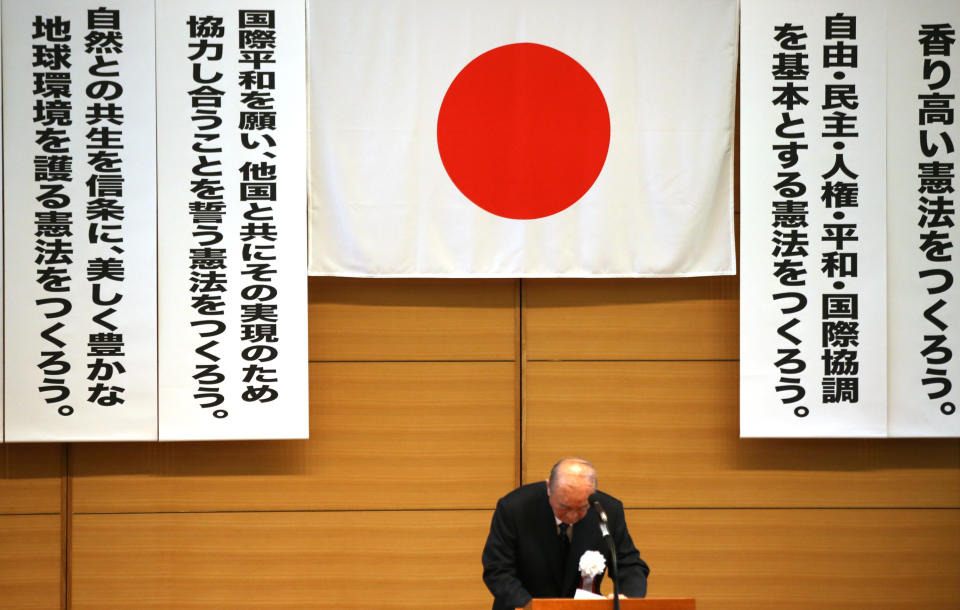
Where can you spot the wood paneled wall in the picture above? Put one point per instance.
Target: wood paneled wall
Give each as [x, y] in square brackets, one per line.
[429, 400]
[32, 526]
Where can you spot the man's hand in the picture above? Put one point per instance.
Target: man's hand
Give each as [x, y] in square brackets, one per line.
[622, 596]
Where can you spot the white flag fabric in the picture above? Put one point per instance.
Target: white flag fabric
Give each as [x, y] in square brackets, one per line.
[542, 138]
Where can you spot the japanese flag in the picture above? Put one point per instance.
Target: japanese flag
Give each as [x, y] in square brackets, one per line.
[534, 138]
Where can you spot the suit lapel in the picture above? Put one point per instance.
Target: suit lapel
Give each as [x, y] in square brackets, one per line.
[547, 533]
[584, 539]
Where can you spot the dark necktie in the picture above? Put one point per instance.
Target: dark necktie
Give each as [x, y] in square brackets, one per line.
[564, 541]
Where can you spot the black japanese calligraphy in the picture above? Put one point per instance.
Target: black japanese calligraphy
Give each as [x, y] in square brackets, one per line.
[935, 178]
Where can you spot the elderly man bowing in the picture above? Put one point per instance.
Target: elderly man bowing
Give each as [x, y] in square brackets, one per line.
[540, 531]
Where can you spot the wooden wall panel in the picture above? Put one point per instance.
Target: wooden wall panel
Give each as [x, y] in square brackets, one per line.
[628, 319]
[383, 435]
[803, 559]
[336, 560]
[665, 434]
[412, 319]
[30, 562]
[30, 478]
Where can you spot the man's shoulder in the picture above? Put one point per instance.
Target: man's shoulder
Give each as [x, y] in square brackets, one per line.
[525, 493]
[609, 502]
[525, 504]
[605, 496]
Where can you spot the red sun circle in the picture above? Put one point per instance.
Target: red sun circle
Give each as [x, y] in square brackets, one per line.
[523, 131]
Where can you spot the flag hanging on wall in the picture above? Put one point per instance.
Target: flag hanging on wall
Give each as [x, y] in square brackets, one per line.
[534, 139]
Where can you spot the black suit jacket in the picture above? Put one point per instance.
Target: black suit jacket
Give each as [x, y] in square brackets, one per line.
[521, 556]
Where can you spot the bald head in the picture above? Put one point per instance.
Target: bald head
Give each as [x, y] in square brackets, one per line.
[571, 482]
[573, 471]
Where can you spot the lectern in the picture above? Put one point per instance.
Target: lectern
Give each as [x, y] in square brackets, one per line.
[666, 603]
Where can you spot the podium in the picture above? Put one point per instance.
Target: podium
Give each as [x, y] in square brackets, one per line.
[666, 603]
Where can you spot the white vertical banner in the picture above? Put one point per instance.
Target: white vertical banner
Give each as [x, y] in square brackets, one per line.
[813, 271]
[1, 239]
[232, 167]
[923, 156]
[79, 230]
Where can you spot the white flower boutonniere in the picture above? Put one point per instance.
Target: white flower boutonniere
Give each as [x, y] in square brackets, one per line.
[592, 565]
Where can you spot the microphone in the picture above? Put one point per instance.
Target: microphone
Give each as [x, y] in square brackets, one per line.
[594, 501]
[603, 518]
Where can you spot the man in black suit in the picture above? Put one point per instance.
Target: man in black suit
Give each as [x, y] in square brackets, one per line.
[540, 530]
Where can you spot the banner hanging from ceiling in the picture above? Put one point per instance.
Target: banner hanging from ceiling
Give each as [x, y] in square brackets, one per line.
[86, 244]
[846, 215]
[923, 358]
[79, 221]
[232, 162]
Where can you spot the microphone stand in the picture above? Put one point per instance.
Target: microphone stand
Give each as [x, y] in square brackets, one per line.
[616, 578]
[613, 553]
